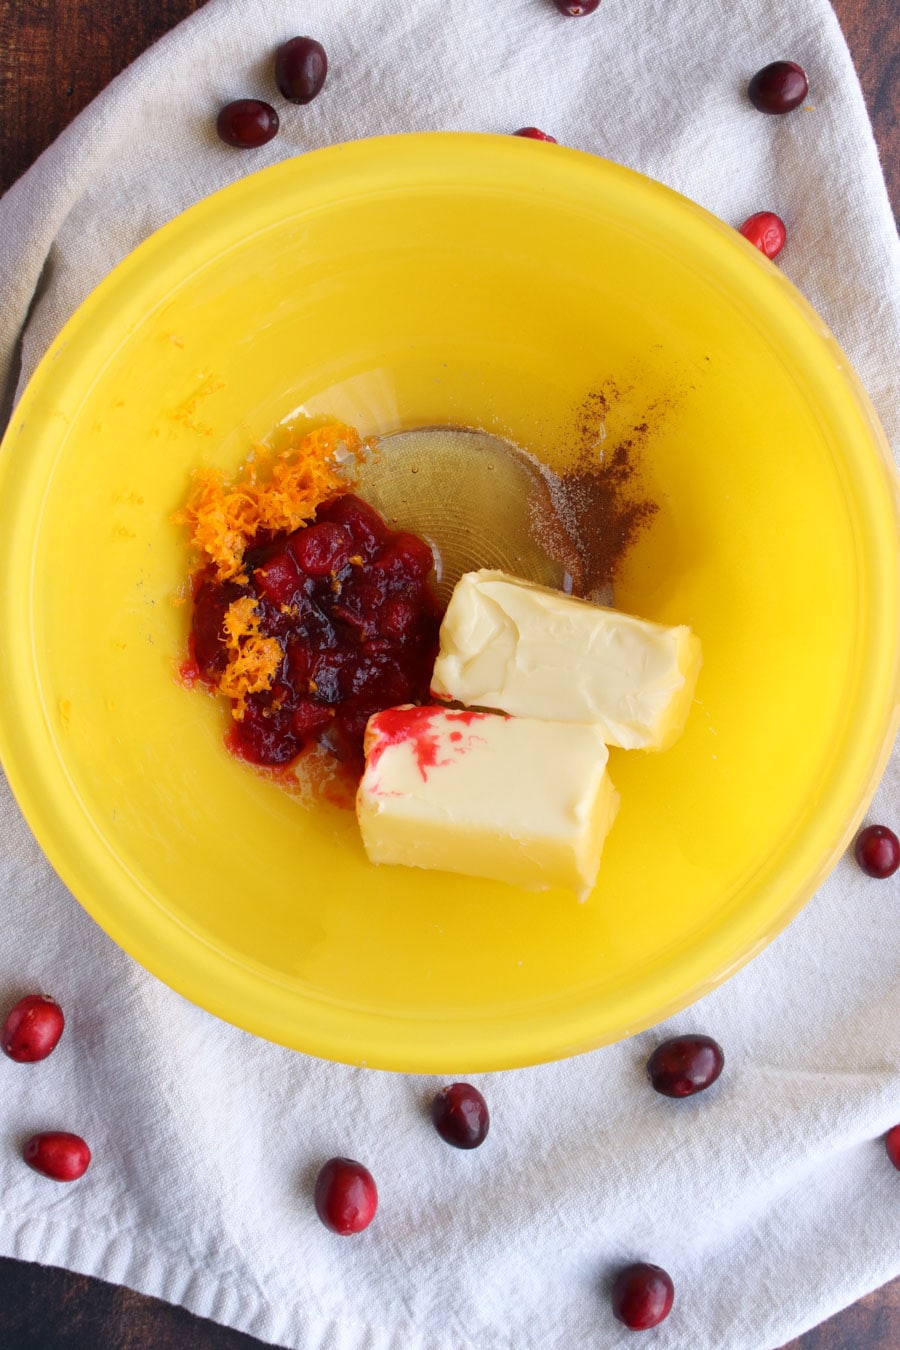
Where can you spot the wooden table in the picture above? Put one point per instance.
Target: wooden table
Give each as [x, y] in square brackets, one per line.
[55, 55]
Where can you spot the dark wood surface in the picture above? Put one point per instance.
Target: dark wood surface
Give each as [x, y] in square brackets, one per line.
[55, 55]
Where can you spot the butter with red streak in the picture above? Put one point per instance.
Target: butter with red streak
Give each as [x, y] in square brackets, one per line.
[514, 799]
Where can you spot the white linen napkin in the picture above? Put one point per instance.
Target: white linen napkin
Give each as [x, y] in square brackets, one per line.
[769, 1199]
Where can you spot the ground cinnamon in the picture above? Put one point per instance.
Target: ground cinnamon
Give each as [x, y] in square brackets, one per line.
[589, 515]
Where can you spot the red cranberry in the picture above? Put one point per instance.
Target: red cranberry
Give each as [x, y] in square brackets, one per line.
[309, 717]
[264, 736]
[642, 1296]
[575, 9]
[33, 1028]
[460, 1115]
[362, 521]
[410, 555]
[766, 231]
[346, 1196]
[207, 628]
[300, 69]
[398, 618]
[247, 123]
[778, 88]
[877, 851]
[892, 1144]
[322, 549]
[684, 1065]
[534, 134]
[278, 578]
[58, 1155]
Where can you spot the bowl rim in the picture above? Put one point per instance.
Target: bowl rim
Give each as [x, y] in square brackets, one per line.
[205, 975]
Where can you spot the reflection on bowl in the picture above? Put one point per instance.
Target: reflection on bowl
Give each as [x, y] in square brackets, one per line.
[450, 281]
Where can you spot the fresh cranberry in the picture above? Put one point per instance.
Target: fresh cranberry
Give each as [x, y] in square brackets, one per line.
[892, 1144]
[576, 9]
[642, 1296]
[534, 134]
[460, 1115]
[57, 1154]
[779, 87]
[766, 231]
[300, 69]
[345, 1196]
[877, 851]
[322, 549]
[684, 1065]
[33, 1028]
[247, 123]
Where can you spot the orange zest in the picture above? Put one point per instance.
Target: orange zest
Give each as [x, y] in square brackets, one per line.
[273, 492]
[253, 660]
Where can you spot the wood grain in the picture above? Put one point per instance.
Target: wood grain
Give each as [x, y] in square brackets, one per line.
[43, 1308]
[55, 55]
[872, 30]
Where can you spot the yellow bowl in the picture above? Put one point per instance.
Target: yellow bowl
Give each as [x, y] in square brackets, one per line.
[465, 280]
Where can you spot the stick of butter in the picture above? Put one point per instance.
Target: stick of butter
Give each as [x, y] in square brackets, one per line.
[514, 799]
[534, 652]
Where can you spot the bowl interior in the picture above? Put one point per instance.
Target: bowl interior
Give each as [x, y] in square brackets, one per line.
[474, 281]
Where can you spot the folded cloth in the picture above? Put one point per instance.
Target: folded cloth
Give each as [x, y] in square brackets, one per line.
[770, 1199]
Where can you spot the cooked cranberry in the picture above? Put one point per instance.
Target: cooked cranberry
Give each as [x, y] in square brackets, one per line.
[57, 1154]
[877, 851]
[380, 682]
[278, 578]
[207, 631]
[345, 1196]
[247, 123]
[398, 618]
[32, 1028]
[264, 736]
[345, 737]
[534, 134]
[574, 9]
[323, 671]
[779, 87]
[642, 1296]
[299, 659]
[308, 717]
[322, 549]
[460, 1115]
[363, 523]
[892, 1144]
[766, 231]
[300, 69]
[349, 602]
[409, 556]
[684, 1065]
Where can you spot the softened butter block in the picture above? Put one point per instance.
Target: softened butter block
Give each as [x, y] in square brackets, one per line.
[515, 799]
[534, 652]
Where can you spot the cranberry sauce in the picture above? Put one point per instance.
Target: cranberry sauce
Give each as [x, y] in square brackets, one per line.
[350, 603]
